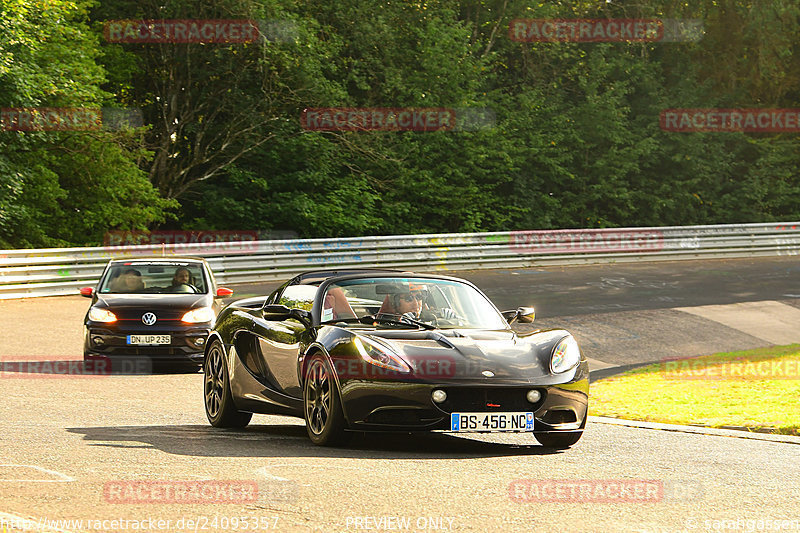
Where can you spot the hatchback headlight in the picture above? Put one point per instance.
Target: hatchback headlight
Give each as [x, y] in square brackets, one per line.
[201, 314]
[566, 355]
[98, 314]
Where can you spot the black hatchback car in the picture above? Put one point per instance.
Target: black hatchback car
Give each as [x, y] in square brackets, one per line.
[153, 309]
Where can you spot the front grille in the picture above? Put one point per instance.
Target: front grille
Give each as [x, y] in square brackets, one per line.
[161, 314]
[151, 351]
[488, 399]
[559, 416]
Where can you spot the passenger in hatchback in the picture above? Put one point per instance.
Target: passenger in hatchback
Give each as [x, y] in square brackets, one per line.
[129, 281]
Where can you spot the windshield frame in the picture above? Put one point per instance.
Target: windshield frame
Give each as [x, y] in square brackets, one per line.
[405, 276]
[167, 264]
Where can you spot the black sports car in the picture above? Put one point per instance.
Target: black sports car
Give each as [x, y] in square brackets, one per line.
[392, 351]
[151, 309]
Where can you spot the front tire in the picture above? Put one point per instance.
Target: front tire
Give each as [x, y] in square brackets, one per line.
[220, 409]
[322, 406]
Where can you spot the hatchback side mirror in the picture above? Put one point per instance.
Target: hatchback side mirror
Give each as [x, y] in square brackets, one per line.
[224, 292]
[87, 292]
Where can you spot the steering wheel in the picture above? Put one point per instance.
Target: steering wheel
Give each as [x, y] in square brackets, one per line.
[185, 287]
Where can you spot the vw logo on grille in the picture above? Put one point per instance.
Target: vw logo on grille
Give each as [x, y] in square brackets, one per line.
[149, 319]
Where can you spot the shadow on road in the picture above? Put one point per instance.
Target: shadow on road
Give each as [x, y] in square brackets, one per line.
[291, 441]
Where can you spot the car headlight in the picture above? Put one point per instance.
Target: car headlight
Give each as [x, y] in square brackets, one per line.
[201, 314]
[379, 356]
[98, 314]
[566, 355]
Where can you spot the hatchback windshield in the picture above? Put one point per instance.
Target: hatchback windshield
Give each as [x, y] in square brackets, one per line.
[399, 302]
[151, 277]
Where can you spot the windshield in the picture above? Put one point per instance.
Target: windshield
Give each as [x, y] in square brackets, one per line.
[409, 302]
[158, 278]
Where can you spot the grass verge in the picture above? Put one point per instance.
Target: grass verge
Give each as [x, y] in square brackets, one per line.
[755, 389]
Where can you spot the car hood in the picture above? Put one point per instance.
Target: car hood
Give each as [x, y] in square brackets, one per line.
[153, 301]
[494, 356]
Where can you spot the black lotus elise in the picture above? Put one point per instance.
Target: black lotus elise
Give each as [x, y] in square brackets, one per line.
[372, 350]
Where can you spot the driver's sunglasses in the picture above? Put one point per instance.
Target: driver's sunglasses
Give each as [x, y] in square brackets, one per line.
[411, 297]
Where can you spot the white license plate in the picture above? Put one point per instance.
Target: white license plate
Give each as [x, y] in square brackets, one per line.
[149, 339]
[491, 422]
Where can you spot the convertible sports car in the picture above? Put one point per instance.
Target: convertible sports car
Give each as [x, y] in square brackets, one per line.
[152, 309]
[369, 350]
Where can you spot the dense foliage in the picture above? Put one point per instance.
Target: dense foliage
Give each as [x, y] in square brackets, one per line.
[575, 142]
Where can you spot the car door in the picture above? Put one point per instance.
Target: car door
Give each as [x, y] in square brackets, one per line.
[281, 342]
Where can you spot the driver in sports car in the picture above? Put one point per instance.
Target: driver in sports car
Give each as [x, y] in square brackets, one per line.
[411, 304]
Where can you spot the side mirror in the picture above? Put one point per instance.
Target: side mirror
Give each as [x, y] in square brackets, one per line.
[526, 315]
[276, 312]
[523, 315]
[224, 292]
[281, 312]
[87, 292]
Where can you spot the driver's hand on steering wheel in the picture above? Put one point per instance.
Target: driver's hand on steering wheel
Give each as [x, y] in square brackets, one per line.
[448, 313]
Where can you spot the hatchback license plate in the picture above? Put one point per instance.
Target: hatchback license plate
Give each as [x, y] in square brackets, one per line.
[149, 339]
[491, 422]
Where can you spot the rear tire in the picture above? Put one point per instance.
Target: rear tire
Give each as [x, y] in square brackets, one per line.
[322, 407]
[220, 409]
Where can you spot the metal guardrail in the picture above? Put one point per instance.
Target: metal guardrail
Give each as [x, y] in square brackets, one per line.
[58, 271]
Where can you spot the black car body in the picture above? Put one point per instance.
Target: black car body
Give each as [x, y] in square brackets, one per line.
[151, 309]
[330, 348]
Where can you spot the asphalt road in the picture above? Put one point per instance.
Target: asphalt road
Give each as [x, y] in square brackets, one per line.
[137, 449]
[82, 448]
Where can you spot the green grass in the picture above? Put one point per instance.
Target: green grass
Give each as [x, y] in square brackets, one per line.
[756, 389]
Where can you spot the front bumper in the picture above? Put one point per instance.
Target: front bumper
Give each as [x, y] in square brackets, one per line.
[404, 406]
[187, 344]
